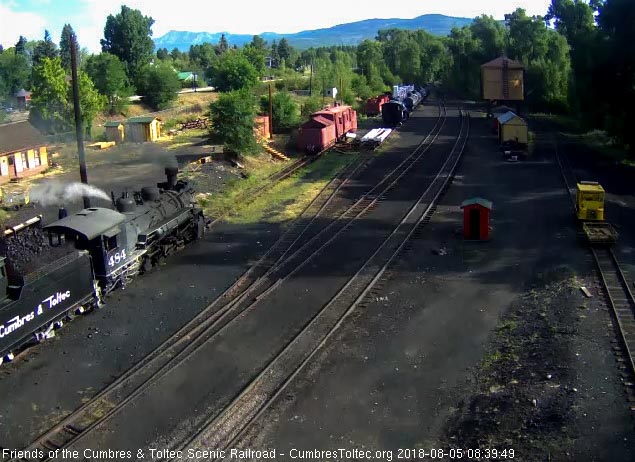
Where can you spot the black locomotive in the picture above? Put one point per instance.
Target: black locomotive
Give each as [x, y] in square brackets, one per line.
[404, 100]
[107, 248]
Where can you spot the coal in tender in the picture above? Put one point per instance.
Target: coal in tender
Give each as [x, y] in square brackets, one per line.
[29, 249]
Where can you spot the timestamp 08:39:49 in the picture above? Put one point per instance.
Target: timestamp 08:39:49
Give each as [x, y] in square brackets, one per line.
[455, 453]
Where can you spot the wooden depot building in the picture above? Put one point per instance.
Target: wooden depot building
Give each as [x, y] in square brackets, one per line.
[22, 151]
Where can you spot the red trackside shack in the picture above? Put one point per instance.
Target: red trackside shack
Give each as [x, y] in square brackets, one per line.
[476, 218]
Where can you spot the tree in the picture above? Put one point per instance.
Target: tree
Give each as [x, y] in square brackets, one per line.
[575, 20]
[369, 55]
[258, 42]
[14, 73]
[284, 49]
[284, 110]
[527, 36]
[52, 97]
[91, 102]
[158, 84]
[49, 95]
[615, 74]
[127, 35]
[162, 54]
[20, 47]
[232, 116]
[256, 56]
[222, 46]
[65, 45]
[275, 57]
[233, 71]
[109, 76]
[545, 54]
[44, 49]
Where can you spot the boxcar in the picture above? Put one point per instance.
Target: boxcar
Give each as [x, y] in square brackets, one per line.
[316, 135]
[374, 104]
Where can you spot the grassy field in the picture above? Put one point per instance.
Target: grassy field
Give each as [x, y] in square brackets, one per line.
[282, 203]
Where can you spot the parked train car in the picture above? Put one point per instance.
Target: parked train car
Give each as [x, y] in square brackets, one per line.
[109, 247]
[326, 127]
[412, 100]
[393, 113]
[374, 104]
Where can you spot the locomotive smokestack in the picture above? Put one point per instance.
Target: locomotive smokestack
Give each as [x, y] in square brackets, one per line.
[170, 173]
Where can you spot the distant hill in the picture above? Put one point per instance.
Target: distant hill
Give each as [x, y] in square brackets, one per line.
[342, 34]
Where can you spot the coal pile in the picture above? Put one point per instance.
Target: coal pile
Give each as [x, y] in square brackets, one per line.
[29, 249]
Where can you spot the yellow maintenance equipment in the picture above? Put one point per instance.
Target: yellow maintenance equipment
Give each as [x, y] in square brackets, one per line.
[589, 208]
[13, 197]
[589, 204]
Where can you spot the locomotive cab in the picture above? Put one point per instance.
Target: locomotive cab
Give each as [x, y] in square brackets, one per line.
[589, 201]
[99, 231]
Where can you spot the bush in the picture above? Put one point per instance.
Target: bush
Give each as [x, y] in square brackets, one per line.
[311, 105]
[158, 84]
[285, 111]
[232, 118]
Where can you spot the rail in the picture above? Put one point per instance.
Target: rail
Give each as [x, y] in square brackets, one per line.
[224, 430]
[616, 288]
[217, 315]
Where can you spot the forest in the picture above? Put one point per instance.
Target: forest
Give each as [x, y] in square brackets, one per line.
[579, 61]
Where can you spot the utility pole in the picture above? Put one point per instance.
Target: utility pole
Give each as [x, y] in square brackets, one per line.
[341, 92]
[311, 81]
[79, 132]
[270, 112]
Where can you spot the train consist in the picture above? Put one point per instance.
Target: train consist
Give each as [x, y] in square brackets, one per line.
[104, 249]
[404, 100]
[326, 127]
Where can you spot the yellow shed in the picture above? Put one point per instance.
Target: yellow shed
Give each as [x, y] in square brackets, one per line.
[512, 128]
[142, 129]
[115, 131]
[503, 80]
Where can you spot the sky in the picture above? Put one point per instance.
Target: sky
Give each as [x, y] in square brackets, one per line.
[88, 17]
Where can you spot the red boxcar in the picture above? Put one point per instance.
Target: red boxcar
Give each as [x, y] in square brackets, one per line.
[326, 127]
[374, 104]
[344, 117]
[316, 135]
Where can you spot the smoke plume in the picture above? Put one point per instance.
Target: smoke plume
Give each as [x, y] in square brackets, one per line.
[154, 154]
[56, 193]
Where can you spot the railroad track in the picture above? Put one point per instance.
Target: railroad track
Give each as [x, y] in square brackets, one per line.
[83, 421]
[270, 181]
[225, 430]
[133, 380]
[617, 290]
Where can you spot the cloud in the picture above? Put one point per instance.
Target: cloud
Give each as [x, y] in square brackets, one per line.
[88, 17]
[15, 23]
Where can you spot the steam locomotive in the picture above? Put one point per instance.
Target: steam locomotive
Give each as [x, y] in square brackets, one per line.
[107, 248]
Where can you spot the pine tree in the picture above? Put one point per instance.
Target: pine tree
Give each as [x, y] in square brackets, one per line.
[44, 49]
[222, 46]
[20, 47]
[65, 45]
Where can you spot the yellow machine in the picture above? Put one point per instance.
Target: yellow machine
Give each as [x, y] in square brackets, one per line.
[589, 208]
[589, 203]
[13, 197]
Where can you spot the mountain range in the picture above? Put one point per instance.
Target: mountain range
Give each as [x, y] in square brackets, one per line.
[342, 34]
